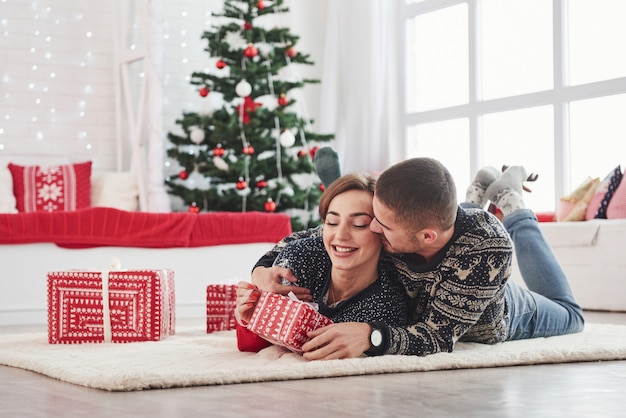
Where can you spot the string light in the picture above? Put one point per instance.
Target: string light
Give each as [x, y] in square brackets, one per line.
[54, 55]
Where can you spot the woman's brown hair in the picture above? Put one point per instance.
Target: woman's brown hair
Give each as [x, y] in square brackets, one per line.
[353, 181]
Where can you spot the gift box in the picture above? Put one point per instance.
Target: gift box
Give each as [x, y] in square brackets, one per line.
[220, 307]
[284, 321]
[110, 306]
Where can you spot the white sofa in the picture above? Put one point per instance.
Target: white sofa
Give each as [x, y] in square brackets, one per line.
[593, 255]
[23, 299]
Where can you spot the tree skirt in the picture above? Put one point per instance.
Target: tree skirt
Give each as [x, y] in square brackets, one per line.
[192, 358]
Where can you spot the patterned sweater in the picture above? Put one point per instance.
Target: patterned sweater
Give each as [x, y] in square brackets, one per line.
[457, 296]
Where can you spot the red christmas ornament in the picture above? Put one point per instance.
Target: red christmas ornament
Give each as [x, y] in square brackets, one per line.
[282, 100]
[183, 175]
[260, 5]
[313, 151]
[270, 205]
[291, 52]
[322, 188]
[251, 51]
[194, 208]
[218, 151]
[249, 105]
[301, 153]
[261, 184]
[204, 91]
[241, 184]
[248, 150]
[220, 64]
[247, 25]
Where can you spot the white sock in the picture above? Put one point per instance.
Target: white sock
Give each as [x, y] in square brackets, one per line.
[506, 192]
[508, 201]
[476, 191]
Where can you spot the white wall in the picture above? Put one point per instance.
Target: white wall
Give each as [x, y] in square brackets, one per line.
[57, 79]
[57, 71]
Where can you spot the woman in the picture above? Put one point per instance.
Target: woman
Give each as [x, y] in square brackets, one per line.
[343, 269]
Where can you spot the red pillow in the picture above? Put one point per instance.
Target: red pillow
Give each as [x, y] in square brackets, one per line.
[52, 188]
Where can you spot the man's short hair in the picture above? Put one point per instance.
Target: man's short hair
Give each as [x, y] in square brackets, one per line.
[421, 192]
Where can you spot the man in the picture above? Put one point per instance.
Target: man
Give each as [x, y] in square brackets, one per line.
[454, 262]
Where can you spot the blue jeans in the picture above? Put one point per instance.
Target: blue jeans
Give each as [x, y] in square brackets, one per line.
[548, 307]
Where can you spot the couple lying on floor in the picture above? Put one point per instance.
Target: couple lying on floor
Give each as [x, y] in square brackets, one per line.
[401, 268]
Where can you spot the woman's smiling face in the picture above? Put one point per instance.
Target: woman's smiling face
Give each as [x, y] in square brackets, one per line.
[347, 236]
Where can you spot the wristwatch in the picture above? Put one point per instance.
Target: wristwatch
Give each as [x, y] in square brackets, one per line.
[376, 341]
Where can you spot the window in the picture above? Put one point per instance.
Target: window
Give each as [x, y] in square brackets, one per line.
[518, 82]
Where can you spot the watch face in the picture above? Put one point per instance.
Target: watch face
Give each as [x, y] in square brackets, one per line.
[376, 338]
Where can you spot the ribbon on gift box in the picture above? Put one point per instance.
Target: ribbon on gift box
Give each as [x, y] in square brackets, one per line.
[114, 265]
[166, 301]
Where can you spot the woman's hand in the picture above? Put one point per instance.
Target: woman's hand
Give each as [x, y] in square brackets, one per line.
[270, 279]
[336, 341]
[247, 297]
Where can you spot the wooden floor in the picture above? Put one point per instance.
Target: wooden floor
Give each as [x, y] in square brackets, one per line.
[595, 389]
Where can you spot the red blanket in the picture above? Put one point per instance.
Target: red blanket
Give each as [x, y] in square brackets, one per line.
[93, 227]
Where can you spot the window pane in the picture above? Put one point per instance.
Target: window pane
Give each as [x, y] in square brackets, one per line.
[437, 59]
[597, 137]
[597, 40]
[448, 142]
[516, 47]
[524, 137]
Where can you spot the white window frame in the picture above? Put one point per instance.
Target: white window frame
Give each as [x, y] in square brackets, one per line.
[559, 96]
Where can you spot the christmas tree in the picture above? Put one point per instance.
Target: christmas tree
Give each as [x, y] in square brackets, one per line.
[254, 151]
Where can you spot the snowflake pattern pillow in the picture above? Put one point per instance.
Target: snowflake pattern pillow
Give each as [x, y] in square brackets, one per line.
[52, 188]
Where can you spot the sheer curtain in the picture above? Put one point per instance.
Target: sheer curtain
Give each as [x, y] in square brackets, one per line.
[361, 93]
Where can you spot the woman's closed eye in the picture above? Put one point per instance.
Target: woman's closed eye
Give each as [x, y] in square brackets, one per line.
[360, 224]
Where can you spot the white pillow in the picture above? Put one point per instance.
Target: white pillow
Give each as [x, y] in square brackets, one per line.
[114, 190]
[7, 198]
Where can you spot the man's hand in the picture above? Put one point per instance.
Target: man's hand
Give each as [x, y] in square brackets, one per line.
[335, 341]
[270, 278]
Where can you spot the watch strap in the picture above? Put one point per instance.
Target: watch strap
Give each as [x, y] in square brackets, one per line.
[382, 348]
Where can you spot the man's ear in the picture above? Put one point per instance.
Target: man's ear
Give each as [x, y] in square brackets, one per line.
[428, 235]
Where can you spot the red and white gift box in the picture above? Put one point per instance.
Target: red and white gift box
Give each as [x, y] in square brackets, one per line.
[110, 306]
[220, 307]
[284, 321]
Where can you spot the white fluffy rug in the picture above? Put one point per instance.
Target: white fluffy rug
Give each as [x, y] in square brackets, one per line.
[192, 358]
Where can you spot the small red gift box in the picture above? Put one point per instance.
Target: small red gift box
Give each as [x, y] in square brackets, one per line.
[110, 306]
[220, 307]
[284, 321]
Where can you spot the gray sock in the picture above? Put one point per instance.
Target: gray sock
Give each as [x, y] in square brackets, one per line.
[327, 165]
[476, 191]
[506, 192]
